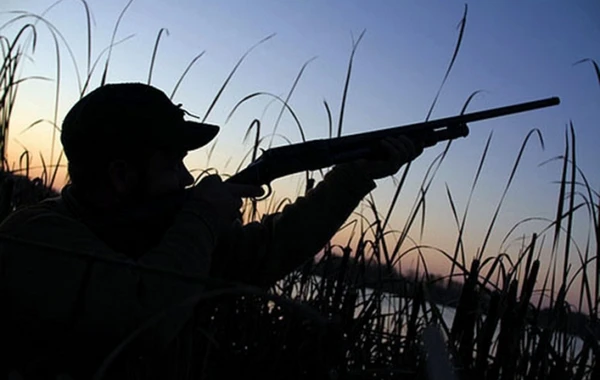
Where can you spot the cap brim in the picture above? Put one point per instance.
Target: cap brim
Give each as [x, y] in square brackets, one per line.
[196, 135]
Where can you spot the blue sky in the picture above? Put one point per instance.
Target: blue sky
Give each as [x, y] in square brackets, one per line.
[513, 51]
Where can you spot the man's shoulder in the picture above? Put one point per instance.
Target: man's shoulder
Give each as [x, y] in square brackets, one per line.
[46, 212]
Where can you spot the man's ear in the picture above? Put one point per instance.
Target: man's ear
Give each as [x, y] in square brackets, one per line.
[122, 176]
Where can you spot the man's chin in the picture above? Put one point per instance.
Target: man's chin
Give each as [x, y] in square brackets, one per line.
[168, 199]
[146, 197]
[157, 208]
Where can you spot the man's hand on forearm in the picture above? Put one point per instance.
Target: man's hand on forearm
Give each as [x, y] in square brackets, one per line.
[396, 151]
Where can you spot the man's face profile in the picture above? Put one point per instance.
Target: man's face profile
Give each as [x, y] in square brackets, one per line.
[166, 173]
[158, 173]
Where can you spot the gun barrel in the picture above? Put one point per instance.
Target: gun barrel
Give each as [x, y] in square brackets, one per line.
[503, 111]
[451, 124]
[470, 117]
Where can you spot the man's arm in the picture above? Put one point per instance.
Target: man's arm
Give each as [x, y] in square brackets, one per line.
[262, 253]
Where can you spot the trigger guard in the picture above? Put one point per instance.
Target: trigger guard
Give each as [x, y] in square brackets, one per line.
[267, 193]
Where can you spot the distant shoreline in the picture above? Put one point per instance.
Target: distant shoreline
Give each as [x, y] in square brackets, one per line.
[440, 292]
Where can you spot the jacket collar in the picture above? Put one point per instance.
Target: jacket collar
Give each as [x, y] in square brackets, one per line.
[132, 231]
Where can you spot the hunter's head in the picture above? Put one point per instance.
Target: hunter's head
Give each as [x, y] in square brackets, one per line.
[127, 141]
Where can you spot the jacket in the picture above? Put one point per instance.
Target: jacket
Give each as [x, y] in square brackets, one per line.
[57, 304]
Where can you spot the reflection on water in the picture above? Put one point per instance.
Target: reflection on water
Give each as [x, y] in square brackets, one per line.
[393, 311]
[392, 306]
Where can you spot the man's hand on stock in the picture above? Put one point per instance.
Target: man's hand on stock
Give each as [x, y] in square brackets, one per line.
[395, 152]
[224, 197]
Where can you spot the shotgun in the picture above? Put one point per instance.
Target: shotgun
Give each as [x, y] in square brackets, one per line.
[316, 154]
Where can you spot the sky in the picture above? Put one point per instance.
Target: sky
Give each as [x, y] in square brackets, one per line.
[511, 51]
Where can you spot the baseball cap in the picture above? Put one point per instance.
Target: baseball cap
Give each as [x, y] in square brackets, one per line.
[130, 117]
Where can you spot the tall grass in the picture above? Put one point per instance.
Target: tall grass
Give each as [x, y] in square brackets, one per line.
[351, 313]
[16, 187]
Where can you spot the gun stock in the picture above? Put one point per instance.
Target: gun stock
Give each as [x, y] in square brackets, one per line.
[316, 154]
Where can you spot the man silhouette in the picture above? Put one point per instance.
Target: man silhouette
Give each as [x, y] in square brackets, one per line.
[131, 199]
